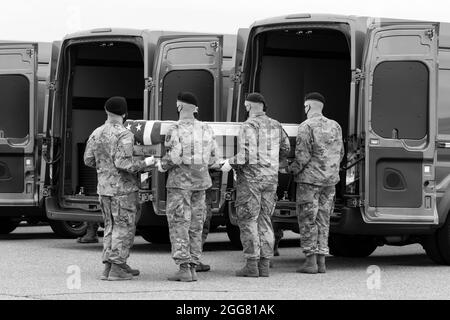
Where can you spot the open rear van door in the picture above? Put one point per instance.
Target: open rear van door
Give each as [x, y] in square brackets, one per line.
[399, 101]
[18, 67]
[48, 136]
[185, 63]
[238, 76]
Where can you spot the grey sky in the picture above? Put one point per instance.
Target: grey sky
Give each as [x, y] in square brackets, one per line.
[46, 20]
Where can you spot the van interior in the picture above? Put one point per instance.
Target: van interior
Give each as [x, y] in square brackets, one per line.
[97, 71]
[292, 62]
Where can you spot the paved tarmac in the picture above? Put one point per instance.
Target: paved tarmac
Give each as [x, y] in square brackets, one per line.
[36, 265]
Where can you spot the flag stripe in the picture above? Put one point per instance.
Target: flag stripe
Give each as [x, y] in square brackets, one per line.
[147, 133]
[156, 133]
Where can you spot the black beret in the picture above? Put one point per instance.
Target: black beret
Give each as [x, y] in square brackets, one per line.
[187, 97]
[315, 96]
[256, 97]
[116, 105]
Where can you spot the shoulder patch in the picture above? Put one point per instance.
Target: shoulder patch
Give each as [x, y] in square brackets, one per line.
[127, 140]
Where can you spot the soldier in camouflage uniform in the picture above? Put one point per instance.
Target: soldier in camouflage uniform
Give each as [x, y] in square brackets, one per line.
[110, 150]
[91, 233]
[278, 232]
[201, 267]
[318, 154]
[262, 144]
[190, 150]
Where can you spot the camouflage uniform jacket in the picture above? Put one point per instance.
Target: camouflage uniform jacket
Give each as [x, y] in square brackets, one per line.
[262, 145]
[319, 151]
[110, 150]
[191, 149]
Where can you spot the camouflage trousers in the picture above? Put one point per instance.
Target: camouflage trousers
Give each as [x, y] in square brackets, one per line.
[255, 205]
[119, 216]
[278, 232]
[314, 206]
[207, 224]
[186, 213]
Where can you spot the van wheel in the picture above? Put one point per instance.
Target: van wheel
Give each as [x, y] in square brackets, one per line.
[234, 234]
[443, 241]
[69, 229]
[8, 225]
[351, 246]
[155, 234]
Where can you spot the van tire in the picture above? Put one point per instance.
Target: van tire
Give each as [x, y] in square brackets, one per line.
[155, 234]
[351, 246]
[234, 234]
[8, 225]
[443, 242]
[69, 229]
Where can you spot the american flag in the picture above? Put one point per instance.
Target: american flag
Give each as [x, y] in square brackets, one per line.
[150, 135]
[146, 133]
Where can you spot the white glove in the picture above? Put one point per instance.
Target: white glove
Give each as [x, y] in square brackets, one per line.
[159, 166]
[283, 170]
[149, 161]
[226, 166]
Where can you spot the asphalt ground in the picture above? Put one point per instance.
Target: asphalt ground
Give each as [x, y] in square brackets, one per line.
[36, 265]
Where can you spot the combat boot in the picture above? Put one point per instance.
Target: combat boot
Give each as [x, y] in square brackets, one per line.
[184, 274]
[310, 265]
[118, 273]
[249, 270]
[202, 267]
[127, 268]
[321, 263]
[106, 271]
[193, 272]
[91, 234]
[263, 267]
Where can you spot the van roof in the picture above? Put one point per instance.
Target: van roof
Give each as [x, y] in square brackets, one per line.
[124, 32]
[303, 17]
[104, 31]
[322, 17]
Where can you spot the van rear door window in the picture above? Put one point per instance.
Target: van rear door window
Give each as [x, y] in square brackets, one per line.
[15, 110]
[199, 82]
[400, 100]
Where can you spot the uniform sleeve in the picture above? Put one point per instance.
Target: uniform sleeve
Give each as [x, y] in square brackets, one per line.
[246, 139]
[303, 148]
[174, 150]
[89, 158]
[123, 158]
[285, 148]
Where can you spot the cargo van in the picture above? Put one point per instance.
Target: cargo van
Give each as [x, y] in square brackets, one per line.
[148, 68]
[387, 83]
[25, 68]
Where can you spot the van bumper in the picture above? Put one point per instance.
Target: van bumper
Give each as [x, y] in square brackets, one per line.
[351, 222]
[56, 212]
